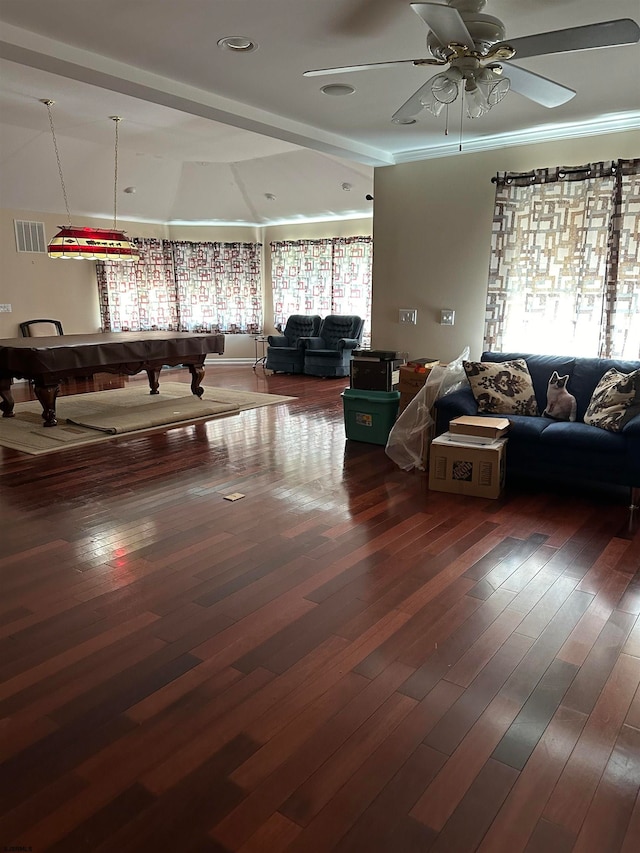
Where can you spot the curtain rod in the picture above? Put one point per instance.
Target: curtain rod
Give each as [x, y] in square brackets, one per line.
[561, 171]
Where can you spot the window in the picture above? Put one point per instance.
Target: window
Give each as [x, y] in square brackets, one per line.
[323, 277]
[564, 271]
[184, 286]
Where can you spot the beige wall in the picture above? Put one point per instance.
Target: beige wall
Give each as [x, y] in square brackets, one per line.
[432, 231]
[37, 286]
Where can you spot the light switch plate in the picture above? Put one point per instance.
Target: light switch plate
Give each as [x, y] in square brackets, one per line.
[447, 317]
[408, 315]
[5, 308]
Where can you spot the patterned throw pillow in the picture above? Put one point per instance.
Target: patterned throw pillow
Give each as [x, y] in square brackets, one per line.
[502, 388]
[615, 400]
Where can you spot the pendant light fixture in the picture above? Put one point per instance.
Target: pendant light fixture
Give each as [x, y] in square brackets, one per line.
[102, 244]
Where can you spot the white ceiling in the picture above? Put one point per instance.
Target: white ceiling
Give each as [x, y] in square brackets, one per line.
[208, 132]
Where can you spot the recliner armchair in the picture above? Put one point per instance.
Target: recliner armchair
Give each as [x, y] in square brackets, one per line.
[329, 354]
[285, 352]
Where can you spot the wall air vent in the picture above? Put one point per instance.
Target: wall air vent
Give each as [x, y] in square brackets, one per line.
[30, 236]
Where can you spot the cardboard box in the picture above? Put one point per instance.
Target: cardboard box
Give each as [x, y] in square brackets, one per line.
[481, 427]
[467, 469]
[413, 376]
[405, 399]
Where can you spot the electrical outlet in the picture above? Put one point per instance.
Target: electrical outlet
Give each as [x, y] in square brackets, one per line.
[447, 317]
[408, 315]
[5, 308]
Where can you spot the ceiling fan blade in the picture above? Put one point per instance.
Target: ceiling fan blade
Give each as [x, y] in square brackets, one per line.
[320, 72]
[545, 92]
[445, 23]
[605, 34]
[413, 105]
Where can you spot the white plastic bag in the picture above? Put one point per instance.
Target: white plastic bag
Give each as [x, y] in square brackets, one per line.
[406, 444]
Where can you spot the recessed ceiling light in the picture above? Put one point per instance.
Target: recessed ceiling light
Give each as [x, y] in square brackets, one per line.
[238, 44]
[337, 89]
[404, 120]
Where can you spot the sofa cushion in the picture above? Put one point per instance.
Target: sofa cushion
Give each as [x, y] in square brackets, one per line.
[583, 437]
[502, 388]
[588, 372]
[526, 428]
[540, 369]
[615, 400]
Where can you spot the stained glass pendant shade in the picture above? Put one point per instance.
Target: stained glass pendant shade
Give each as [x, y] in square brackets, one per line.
[101, 244]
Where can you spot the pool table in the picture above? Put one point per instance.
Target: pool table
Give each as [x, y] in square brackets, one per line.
[46, 361]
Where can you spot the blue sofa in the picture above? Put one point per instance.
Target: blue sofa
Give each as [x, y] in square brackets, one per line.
[559, 450]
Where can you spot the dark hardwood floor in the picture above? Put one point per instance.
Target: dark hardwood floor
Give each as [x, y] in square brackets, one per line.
[342, 660]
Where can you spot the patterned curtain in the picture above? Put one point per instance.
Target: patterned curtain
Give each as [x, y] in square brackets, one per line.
[142, 295]
[323, 277]
[351, 279]
[564, 262]
[183, 286]
[219, 287]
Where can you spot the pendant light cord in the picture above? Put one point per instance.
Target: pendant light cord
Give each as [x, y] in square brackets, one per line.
[49, 104]
[117, 120]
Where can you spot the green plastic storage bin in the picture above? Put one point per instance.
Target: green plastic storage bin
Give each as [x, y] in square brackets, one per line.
[369, 415]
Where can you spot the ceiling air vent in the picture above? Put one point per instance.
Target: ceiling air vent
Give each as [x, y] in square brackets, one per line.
[30, 236]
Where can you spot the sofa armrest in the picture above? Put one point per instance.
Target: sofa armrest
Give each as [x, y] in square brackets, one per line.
[277, 341]
[312, 343]
[348, 343]
[453, 405]
[632, 428]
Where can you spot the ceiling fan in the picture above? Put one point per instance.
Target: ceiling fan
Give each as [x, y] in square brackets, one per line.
[474, 48]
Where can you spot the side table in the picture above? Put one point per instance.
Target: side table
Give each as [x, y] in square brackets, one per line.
[260, 342]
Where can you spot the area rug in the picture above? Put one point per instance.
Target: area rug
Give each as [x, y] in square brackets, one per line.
[101, 415]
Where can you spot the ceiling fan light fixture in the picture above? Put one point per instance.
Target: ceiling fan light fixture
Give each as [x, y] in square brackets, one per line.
[493, 86]
[430, 103]
[475, 102]
[445, 87]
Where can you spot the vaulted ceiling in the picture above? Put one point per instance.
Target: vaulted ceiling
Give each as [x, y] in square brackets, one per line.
[213, 135]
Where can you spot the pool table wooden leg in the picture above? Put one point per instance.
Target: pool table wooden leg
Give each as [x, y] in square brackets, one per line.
[6, 398]
[154, 379]
[197, 375]
[47, 395]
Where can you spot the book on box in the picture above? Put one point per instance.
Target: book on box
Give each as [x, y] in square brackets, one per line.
[470, 425]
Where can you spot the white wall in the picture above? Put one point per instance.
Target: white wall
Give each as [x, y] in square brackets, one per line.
[432, 232]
